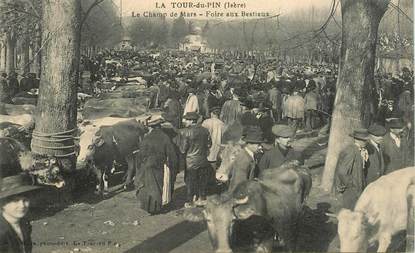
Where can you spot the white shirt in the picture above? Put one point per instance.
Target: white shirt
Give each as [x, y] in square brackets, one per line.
[375, 145]
[397, 139]
[250, 153]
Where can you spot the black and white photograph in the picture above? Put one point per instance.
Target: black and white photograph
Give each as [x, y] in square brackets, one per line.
[211, 126]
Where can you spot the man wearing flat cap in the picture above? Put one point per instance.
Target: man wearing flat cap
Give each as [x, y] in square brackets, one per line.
[395, 147]
[351, 165]
[376, 163]
[282, 151]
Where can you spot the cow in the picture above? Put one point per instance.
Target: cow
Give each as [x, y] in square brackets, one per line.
[117, 107]
[88, 129]
[279, 203]
[16, 132]
[227, 156]
[15, 158]
[379, 213]
[13, 110]
[24, 100]
[410, 195]
[25, 120]
[110, 145]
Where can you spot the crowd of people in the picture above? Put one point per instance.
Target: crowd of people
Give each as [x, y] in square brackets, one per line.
[210, 101]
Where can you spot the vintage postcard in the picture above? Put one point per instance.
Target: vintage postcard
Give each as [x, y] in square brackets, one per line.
[190, 126]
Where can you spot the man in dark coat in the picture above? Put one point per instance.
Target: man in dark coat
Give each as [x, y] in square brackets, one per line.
[4, 89]
[350, 181]
[194, 142]
[282, 151]
[173, 110]
[395, 147]
[13, 84]
[376, 164]
[156, 164]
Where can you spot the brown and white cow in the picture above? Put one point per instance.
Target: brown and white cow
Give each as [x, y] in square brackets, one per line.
[102, 147]
[380, 213]
[279, 204]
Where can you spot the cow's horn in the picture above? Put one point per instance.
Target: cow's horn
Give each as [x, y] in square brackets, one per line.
[242, 201]
[331, 215]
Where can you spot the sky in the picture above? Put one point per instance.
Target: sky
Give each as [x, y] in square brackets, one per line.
[272, 6]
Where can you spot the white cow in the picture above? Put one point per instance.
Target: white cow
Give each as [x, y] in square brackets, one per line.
[25, 120]
[380, 213]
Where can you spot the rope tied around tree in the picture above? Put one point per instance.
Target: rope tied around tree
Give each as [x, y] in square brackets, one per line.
[58, 137]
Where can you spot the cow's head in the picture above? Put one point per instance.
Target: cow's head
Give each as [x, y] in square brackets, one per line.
[352, 229]
[228, 155]
[87, 142]
[45, 170]
[219, 217]
[221, 213]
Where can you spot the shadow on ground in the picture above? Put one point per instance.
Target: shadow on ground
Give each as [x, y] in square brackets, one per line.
[317, 231]
[170, 238]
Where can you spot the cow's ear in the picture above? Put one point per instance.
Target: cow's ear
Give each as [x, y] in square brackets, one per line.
[99, 142]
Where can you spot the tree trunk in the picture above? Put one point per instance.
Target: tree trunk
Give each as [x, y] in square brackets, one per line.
[11, 49]
[57, 94]
[26, 53]
[360, 22]
[3, 55]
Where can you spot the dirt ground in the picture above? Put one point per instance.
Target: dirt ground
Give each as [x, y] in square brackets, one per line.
[117, 224]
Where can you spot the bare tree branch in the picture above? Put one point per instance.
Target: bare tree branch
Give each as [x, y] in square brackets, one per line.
[95, 3]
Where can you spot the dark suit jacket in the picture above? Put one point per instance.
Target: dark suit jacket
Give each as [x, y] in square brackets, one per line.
[350, 180]
[376, 164]
[275, 157]
[10, 242]
[242, 169]
[395, 157]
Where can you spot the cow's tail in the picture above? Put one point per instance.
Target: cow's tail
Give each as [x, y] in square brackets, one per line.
[410, 229]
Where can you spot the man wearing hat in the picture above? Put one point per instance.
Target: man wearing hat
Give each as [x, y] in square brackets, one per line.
[282, 151]
[215, 127]
[15, 230]
[311, 105]
[275, 100]
[194, 142]
[243, 168]
[350, 169]
[231, 109]
[192, 102]
[376, 164]
[395, 147]
[156, 163]
[172, 109]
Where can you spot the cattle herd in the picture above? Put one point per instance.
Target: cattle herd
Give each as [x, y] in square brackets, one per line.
[114, 104]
